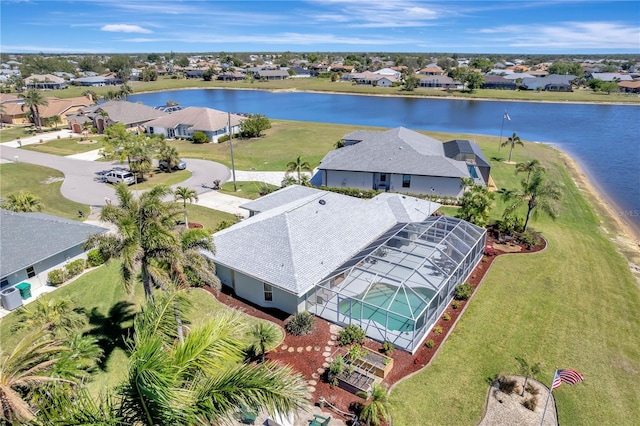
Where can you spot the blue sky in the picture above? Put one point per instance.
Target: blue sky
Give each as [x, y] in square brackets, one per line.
[131, 26]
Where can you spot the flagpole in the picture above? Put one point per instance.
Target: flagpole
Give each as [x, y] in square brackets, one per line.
[544, 413]
[501, 128]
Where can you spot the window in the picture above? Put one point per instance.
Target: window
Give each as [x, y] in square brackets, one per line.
[4, 283]
[472, 171]
[406, 181]
[268, 292]
[31, 272]
[383, 177]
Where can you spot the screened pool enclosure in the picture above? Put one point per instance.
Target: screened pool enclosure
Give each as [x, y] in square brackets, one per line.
[398, 286]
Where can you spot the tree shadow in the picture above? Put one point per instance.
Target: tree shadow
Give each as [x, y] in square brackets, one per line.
[110, 330]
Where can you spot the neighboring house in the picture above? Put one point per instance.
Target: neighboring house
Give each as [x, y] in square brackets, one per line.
[371, 78]
[436, 81]
[551, 83]
[629, 86]
[388, 72]
[272, 74]
[96, 81]
[401, 160]
[383, 264]
[231, 76]
[16, 113]
[498, 82]
[185, 122]
[45, 81]
[300, 72]
[193, 73]
[132, 115]
[431, 69]
[611, 76]
[33, 244]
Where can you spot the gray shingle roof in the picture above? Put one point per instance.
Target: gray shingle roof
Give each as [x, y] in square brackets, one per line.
[28, 238]
[455, 147]
[128, 112]
[398, 150]
[295, 245]
[279, 198]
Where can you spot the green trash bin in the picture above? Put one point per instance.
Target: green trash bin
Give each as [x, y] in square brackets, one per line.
[25, 290]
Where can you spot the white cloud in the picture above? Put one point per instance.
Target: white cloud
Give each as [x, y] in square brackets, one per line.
[125, 28]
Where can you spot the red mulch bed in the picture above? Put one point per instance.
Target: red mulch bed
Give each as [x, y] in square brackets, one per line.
[405, 363]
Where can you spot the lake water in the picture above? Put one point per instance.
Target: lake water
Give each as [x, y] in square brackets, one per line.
[603, 139]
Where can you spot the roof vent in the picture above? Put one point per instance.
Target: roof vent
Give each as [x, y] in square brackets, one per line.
[322, 202]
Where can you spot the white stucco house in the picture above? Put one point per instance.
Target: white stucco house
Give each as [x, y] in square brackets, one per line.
[33, 244]
[385, 264]
[187, 121]
[401, 160]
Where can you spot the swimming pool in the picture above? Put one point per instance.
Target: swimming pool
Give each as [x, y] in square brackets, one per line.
[393, 308]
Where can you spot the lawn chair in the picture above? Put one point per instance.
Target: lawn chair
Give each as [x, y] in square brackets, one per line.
[248, 416]
[319, 420]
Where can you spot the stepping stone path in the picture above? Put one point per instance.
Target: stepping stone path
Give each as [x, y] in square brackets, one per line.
[331, 343]
[311, 389]
[312, 382]
[290, 350]
[325, 364]
[315, 375]
[300, 349]
[308, 348]
[320, 370]
[327, 348]
[316, 348]
[284, 347]
[326, 354]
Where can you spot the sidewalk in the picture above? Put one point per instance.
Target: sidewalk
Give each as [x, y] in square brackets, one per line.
[223, 202]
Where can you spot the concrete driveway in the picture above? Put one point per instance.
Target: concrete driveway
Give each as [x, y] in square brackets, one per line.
[82, 181]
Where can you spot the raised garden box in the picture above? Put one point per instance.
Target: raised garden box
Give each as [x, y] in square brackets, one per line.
[354, 381]
[374, 362]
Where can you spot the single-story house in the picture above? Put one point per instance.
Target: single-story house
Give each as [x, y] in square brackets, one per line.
[551, 83]
[401, 160]
[96, 81]
[371, 78]
[231, 76]
[33, 244]
[16, 113]
[436, 81]
[45, 81]
[611, 76]
[498, 82]
[431, 69]
[384, 264]
[272, 74]
[629, 86]
[186, 122]
[132, 115]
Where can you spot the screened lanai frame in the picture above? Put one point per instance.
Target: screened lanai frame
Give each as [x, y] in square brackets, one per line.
[398, 286]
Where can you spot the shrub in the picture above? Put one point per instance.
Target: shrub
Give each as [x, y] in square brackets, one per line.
[531, 403]
[530, 238]
[430, 343]
[488, 251]
[200, 137]
[362, 394]
[57, 276]
[455, 304]
[337, 366]
[95, 258]
[446, 317]
[223, 138]
[351, 334]
[300, 323]
[463, 291]
[506, 385]
[437, 329]
[75, 267]
[532, 389]
[387, 347]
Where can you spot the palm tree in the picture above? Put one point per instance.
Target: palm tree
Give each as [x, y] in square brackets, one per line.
[57, 315]
[527, 370]
[184, 194]
[475, 205]
[378, 407]
[202, 379]
[513, 140]
[169, 154]
[146, 238]
[33, 99]
[298, 166]
[539, 195]
[529, 167]
[55, 120]
[125, 90]
[263, 335]
[26, 368]
[24, 202]
[198, 269]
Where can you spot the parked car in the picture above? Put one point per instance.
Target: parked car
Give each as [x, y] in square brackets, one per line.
[180, 166]
[120, 176]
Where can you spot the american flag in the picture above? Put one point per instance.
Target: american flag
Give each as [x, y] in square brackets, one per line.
[570, 377]
[506, 116]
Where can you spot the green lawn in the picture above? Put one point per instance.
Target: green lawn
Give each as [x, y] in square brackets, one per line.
[159, 177]
[575, 305]
[326, 85]
[14, 132]
[109, 308]
[250, 190]
[209, 218]
[43, 182]
[67, 146]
